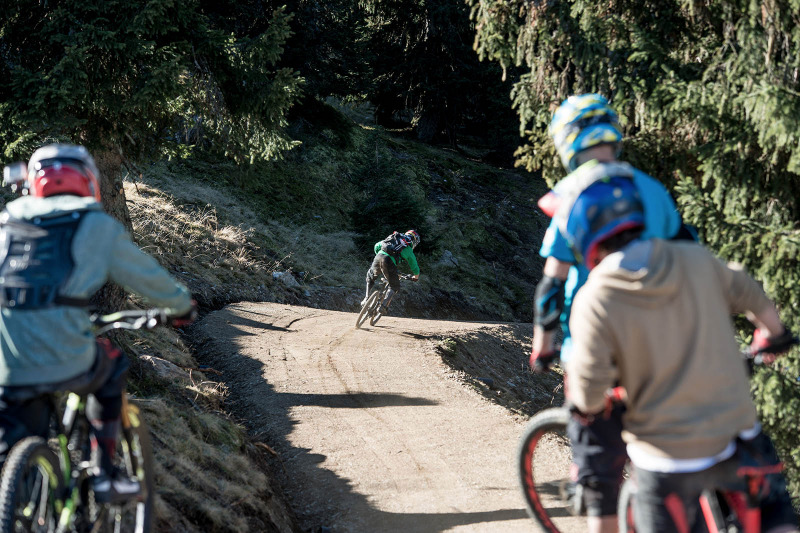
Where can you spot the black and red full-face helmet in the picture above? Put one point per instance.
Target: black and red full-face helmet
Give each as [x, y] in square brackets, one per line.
[63, 169]
[414, 236]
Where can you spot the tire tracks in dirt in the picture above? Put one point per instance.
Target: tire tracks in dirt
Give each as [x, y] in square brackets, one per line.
[374, 430]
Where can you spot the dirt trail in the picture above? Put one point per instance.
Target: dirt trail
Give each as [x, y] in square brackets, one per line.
[374, 431]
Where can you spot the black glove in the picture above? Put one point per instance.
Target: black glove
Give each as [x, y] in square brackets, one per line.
[776, 344]
[766, 348]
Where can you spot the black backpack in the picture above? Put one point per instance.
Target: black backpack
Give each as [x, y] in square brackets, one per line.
[394, 244]
[36, 261]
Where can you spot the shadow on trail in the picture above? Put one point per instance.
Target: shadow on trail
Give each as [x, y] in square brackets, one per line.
[417, 336]
[358, 400]
[267, 414]
[384, 329]
[437, 522]
[237, 320]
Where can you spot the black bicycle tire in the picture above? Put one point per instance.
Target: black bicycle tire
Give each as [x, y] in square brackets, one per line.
[377, 316]
[625, 507]
[374, 320]
[16, 466]
[366, 308]
[552, 420]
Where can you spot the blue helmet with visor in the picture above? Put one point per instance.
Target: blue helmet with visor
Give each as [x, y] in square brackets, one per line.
[581, 122]
[604, 209]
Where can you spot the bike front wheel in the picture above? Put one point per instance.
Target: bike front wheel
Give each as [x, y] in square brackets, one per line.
[368, 308]
[625, 507]
[546, 469]
[30, 488]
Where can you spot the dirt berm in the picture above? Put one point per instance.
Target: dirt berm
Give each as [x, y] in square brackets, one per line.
[373, 431]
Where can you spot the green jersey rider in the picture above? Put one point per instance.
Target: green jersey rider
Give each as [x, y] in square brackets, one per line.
[388, 252]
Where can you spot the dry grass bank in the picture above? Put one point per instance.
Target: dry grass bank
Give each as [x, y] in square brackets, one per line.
[210, 475]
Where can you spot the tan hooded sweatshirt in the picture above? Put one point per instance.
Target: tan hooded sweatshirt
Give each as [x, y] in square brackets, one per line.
[656, 317]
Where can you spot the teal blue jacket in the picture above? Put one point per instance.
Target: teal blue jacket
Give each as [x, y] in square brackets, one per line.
[406, 253]
[56, 343]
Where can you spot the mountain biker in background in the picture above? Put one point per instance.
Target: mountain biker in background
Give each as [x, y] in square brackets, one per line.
[57, 248]
[654, 317]
[388, 252]
[588, 138]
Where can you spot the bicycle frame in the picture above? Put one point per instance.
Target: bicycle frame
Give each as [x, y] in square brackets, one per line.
[371, 307]
[68, 432]
[745, 505]
[720, 508]
[67, 502]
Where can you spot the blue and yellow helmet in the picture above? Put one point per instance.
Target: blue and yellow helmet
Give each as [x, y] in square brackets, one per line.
[580, 122]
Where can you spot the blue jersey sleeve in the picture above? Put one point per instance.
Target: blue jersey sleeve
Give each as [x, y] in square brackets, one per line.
[555, 245]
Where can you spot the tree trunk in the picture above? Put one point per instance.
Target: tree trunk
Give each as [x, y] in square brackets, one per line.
[109, 163]
[111, 297]
[428, 126]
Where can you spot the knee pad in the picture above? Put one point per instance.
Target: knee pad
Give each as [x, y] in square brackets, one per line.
[548, 302]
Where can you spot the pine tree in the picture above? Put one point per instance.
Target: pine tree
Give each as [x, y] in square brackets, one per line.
[709, 96]
[424, 67]
[135, 78]
[328, 47]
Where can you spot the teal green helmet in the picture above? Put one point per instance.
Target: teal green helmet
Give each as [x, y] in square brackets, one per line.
[580, 122]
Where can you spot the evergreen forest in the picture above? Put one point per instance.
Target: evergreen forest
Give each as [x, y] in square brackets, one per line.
[252, 91]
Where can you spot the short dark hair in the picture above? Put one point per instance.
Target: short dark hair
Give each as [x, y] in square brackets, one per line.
[620, 240]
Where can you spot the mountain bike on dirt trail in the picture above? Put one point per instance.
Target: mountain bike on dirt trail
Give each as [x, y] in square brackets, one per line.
[374, 306]
[59, 248]
[555, 500]
[388, 253]
[654, 316]
[47, 484]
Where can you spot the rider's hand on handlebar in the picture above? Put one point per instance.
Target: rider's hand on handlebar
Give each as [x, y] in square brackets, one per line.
[541, 362]
[415, 277]
[186, 318]
[769, 347]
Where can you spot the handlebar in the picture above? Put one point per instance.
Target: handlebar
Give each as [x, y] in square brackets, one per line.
[130, 320]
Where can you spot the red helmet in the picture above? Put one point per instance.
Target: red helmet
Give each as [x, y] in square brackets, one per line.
[63, 169]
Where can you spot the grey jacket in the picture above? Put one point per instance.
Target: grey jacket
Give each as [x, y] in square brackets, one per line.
[54, 344]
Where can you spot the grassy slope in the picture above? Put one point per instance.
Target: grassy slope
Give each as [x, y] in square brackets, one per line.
[320, 210]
